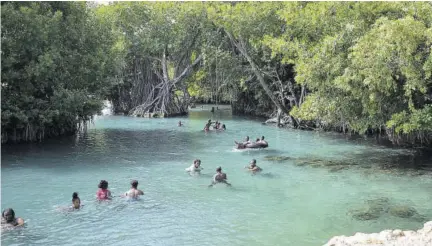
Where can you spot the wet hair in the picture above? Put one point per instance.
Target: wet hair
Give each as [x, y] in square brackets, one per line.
[262, 138]
[103, 184]
[253, 161]
[9, 215]
[197, 161]
[219, 169]
[134, 183]
[247, 137]
[75, 196]
[257, 139]
[223, 126]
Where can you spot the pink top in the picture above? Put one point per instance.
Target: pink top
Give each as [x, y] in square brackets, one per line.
[103, 194]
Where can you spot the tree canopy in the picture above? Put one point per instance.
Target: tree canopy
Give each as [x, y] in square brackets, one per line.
[347, 66]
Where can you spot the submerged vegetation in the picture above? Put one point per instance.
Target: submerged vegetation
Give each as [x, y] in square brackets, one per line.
[353, 67]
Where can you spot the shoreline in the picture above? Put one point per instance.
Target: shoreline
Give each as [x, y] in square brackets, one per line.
[396, 237]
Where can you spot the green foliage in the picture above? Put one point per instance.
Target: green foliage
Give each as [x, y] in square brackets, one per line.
[366, 65]
[56, 64]
[356, 65]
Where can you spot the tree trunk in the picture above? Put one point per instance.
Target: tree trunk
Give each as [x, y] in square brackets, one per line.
[257, 73]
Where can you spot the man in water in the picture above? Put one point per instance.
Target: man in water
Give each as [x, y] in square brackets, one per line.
[8, 219]
[195, 167]
[243, 144]
[219, 177]
[180, 123]
[134, 193]
[253, 167]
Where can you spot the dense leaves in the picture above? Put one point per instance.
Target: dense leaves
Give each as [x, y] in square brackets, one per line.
[363, 67]
[55, 68]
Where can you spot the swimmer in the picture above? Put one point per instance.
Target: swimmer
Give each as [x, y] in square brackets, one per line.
[134, 193]
[180, 123]
[263, 141]
[8, 219]
[243, 144]
[103, 193]
[222, 128]
[195, 167]
[76, 201]
[253, 167]
[219, 177]
[246, 141]
[207, 125]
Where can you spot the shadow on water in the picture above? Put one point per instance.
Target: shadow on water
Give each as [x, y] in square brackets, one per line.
[102, 145]
[413, 163]
[409, 160]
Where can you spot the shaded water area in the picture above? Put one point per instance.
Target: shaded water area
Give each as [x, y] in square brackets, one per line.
[313, 186]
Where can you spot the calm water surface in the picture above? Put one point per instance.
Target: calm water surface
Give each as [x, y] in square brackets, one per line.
[287, 205]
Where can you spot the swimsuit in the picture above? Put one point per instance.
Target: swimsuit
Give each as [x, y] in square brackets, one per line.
[102, 194]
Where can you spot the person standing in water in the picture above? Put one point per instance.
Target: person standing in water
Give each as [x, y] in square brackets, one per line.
[253, 167]
[195, 167]
[134, 192]
[219, 177]
[103, 193]
[8, 219]
[76, 201]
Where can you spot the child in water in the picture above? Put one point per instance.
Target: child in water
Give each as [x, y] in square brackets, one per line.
[76, 201]
[8, 219]
[103, 193]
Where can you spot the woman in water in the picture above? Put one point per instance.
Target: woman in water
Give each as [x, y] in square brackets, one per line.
[223, 127]
[8, 219]
[103, 193]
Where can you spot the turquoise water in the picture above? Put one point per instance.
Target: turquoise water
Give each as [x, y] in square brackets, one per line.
[286, 205]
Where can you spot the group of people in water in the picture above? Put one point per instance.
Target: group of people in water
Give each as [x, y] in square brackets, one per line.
[216, 125]
[9, 220]
[247, 144]
[210, 125]
[221, 177]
